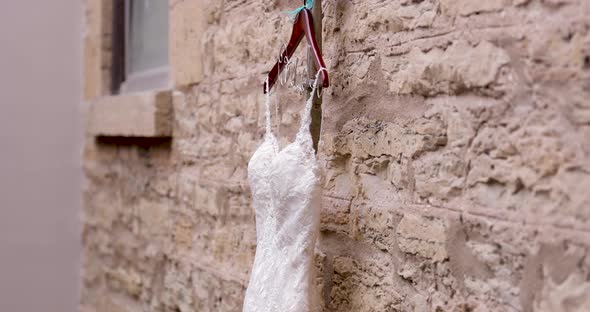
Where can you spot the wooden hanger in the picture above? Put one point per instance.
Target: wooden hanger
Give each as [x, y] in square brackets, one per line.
[303, 27]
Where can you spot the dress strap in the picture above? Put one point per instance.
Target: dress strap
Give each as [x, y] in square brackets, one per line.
[306, 113]
[278, 117]
[267, 109]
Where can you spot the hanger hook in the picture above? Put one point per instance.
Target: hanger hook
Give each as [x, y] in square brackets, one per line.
[319, 89]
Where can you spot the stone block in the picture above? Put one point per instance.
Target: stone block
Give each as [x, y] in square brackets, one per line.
[94, 55]
[187, 25]
[422, 236]
[147, 114]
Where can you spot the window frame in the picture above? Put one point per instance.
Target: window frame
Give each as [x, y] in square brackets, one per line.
[122, 80]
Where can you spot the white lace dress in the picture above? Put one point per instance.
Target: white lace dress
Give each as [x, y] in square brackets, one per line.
[285, 195]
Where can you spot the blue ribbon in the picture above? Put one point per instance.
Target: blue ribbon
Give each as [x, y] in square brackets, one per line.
[293, 14]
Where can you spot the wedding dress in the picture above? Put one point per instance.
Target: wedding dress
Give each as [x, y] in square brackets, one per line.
[285, 194]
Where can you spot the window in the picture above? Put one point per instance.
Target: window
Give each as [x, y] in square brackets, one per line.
[140, 46]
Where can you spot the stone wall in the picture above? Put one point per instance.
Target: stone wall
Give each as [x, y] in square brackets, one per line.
[455, 148]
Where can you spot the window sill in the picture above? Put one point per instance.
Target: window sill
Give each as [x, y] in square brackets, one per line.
[144, 114]
[153, 79]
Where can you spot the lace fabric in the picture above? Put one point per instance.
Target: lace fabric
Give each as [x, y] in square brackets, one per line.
[285, 195]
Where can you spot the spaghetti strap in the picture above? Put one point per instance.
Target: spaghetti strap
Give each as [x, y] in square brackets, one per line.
[267, 111]
[306, 113]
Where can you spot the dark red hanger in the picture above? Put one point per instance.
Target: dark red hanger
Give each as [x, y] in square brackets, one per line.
[303, 27]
